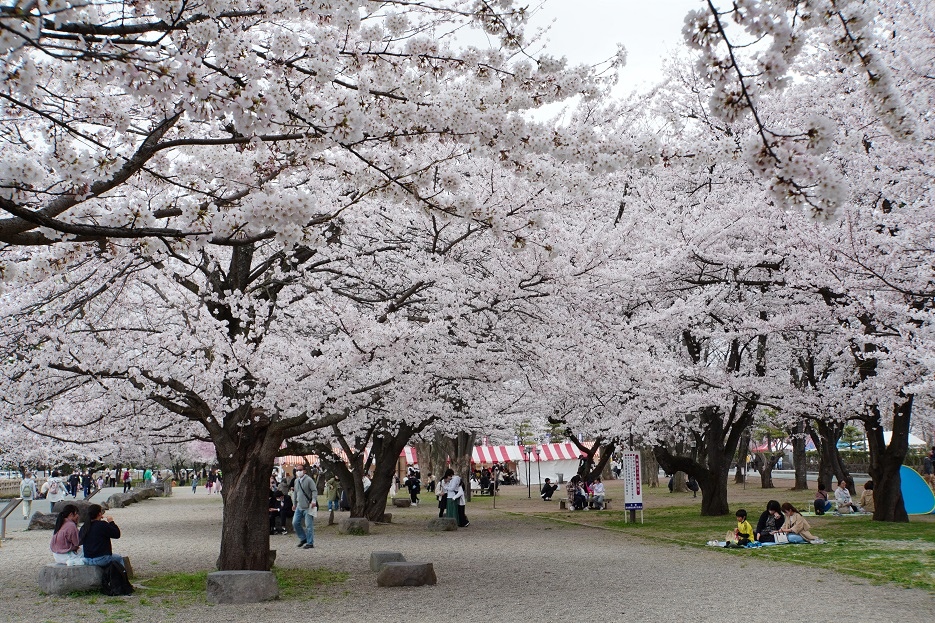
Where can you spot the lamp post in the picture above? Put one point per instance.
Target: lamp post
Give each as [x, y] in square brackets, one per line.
[538, 466]
[528, 474]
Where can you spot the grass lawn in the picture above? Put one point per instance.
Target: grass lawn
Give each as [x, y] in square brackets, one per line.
[901, 554]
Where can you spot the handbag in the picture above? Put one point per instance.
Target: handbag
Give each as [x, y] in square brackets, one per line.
[313, 512]
[781, 537]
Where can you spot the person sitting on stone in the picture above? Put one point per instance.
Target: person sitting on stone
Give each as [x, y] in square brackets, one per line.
[547, 490]
[96, 534]
[65, 545]
[597, 494]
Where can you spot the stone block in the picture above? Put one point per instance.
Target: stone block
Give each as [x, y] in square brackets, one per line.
[82, 505]
[386, 518]
[354, 525]
[443, 524]
[242, 587]
[56, 579]
[120, 500]
[402, 502]
[407, 574]
[42, 521]
[378, 559]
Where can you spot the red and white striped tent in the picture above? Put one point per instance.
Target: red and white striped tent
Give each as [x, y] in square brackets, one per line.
[486, 455]
[409, 455]
[553, 459]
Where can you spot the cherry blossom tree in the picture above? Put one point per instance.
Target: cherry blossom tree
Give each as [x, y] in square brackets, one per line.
[244, 224]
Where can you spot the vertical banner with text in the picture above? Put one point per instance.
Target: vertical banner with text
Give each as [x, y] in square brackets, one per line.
[632, 482]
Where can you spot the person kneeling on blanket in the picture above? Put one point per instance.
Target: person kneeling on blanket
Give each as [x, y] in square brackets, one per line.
[795, 527]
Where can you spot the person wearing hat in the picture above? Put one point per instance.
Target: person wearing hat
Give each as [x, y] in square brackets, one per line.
[305, 507]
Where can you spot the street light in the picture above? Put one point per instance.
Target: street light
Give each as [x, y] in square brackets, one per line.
[528, 475]
[538, 466]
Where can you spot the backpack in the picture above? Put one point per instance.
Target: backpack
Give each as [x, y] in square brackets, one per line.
[114, 580]
[53, 487]
[25, 491]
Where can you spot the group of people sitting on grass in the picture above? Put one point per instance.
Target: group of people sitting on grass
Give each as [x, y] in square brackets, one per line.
[843, 503]
[777, 524]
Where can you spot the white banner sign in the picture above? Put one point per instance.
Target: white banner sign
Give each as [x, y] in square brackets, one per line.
[632, 482]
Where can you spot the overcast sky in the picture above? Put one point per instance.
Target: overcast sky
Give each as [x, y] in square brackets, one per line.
[588, 31]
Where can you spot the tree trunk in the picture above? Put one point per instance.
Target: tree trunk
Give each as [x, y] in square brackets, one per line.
[799, 459]
[743, 448]
[885, 462]
[714, 491]
[245, 528]
[650, 468]
[830, 466]
[768, 463]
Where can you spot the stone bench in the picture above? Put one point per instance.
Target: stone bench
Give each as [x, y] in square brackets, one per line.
[407, 574]
[443, 524]
[58, 579]
[379, 559]
[354, 525]
[402, 502]
[242, 587]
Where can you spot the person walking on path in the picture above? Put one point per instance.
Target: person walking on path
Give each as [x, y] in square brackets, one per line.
[305, 508]
[56, 491]
[127, 482]
[27, 491]
[194, 483]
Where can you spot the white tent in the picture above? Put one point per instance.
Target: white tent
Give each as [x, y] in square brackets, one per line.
[913, 440]
[553, 459]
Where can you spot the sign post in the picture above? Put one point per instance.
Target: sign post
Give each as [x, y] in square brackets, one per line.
[632, 485]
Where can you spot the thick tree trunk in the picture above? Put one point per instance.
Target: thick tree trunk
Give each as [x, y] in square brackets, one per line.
[650, 468]
[885, 462]
[799, 459]
[767, 463]
[714, 492]
[831, 467]
[245, 529]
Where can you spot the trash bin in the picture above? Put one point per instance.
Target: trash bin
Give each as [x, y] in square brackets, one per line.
[561, 478]
[451, 509]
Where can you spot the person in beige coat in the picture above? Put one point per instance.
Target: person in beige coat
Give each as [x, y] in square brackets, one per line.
[796, 527]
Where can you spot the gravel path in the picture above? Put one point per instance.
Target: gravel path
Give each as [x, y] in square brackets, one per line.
[503, 568]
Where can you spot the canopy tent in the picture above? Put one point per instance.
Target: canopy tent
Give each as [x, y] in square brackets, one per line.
[553, 459]
[487, 455]
[914, 441]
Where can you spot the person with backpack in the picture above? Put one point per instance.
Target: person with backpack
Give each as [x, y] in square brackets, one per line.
[27, 491]
[127, 481]
[56, 491]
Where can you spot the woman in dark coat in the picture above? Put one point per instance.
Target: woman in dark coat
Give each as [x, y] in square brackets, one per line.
[771, 521]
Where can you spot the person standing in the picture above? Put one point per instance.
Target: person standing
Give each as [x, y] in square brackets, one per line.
[194, 482]
[127, 482]
[112, 478]
[147, 476]
[27, 491]
[455, 492]
[414, 487]
[56, 490]
[86, 484]
[331, 493]
[304, 509]
[73, 481]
